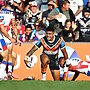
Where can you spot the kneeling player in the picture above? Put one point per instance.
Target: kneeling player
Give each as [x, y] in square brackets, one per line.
[76, 65]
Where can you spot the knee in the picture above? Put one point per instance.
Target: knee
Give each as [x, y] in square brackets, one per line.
[44, 60]
[4, 55]
[44, 64]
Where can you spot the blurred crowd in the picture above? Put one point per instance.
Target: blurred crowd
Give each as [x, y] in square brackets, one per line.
[30, 18]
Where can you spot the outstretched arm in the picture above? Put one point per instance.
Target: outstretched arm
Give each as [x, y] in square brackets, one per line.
[30, 52]
[28, 63]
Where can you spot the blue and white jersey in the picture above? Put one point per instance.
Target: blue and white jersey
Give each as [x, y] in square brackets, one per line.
[77, 64]
[7, 16]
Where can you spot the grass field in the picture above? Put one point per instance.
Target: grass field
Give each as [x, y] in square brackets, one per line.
[44, 85]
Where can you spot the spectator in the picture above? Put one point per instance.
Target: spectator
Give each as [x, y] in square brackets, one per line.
[27, 34]
[77, 32]
[84, 25]
[17, 6]
[32, 15]
[38, 33]
[64, 12]
[67, 32]
[20, 29]
[70, 31]
[76, 6]
[65, 9]
[51, 6]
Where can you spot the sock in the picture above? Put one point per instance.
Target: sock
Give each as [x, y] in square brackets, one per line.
[43, 75]
[43, 70]
[3, 67]
[10, 68]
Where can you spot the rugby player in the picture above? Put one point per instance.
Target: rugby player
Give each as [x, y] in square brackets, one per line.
[51, 45]
[76, 65]
[7, 12]
[3, 51]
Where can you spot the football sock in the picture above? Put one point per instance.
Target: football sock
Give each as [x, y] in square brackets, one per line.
[44, 76]
[43, 70]
[3, 66]
[10, 64]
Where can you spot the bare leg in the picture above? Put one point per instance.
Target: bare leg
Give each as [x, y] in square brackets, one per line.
[56, 74]
[44, 63]
[3, 64]
[75, 76]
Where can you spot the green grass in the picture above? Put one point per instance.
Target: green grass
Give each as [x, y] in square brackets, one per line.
[44, 85]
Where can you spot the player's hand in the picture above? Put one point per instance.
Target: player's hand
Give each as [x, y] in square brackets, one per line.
[30, 61]
[19, 42]
[26, 58]
[26, 61]
[12, 40]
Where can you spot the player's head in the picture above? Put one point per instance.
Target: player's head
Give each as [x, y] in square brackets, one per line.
[61, 61]
[50, 33]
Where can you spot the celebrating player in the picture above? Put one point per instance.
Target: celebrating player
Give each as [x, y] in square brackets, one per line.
[51, 44]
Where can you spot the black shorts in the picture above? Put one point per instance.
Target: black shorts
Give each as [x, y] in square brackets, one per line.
[53, 65]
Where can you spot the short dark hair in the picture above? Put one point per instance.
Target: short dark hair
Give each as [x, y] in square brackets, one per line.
[64, 2]
[49, 28]
[86, 9]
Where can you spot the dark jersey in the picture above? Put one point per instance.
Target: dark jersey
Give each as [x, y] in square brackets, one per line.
[51, 48]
